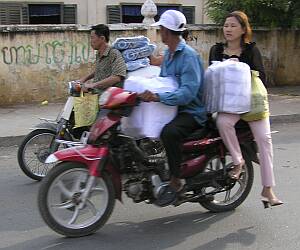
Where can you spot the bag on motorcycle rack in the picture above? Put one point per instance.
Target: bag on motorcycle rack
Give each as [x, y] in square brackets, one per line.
[86, 108]
[227, 87]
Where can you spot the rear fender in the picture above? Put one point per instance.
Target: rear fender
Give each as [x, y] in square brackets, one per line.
[95, 158]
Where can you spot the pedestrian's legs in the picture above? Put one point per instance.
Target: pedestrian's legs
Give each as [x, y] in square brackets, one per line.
[262, 134]
[225, 124]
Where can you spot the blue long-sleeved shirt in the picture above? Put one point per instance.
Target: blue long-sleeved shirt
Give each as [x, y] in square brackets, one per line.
[186, 67]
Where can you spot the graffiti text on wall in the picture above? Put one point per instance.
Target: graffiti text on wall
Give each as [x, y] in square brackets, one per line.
[55, 52]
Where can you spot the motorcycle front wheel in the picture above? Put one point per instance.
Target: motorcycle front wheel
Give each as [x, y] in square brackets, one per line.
[237, 190]
[34, 150]
[72, 202]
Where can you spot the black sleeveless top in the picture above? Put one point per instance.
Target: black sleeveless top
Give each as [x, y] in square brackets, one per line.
[250, 55]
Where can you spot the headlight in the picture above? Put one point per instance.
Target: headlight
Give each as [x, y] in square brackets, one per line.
[104, 98]
[74, 88]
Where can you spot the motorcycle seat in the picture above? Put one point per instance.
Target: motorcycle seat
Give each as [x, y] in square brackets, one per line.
[210, 129]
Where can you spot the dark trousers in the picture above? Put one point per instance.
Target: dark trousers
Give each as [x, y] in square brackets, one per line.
[172, 136]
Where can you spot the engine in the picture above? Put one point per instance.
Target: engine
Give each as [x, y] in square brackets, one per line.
[137, 189]
[139, 162]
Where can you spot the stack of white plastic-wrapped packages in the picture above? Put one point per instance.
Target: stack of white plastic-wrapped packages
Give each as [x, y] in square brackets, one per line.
[135, 51]
[227, 87]
[149, 118]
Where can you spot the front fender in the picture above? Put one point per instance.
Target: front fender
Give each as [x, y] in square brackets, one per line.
[95, 158]
[46, 125]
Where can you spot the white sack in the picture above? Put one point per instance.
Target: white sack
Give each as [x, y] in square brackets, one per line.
[149, 118]
[227, 87]
[147, 72]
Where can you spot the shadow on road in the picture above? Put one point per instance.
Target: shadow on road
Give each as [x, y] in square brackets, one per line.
[159, 233]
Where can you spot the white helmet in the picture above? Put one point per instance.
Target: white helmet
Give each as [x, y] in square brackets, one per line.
[172, 20]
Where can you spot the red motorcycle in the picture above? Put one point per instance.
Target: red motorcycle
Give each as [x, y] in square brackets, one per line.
[78, 195]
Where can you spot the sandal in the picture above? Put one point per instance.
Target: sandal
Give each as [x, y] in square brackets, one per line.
[236, 171]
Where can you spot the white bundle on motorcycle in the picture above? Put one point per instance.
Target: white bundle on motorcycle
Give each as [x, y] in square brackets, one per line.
[137, 64]
[123, 43]
[147, 72]
[227, 87]
[149, 118]
[136, 53]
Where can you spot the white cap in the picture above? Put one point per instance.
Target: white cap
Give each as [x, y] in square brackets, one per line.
[172, 20]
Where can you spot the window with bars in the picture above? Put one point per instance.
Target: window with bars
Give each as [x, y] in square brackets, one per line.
[132, 13]
[22, 13]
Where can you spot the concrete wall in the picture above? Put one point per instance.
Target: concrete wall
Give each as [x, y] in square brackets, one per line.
[37, 61]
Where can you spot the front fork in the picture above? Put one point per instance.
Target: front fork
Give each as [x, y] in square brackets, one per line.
[60, 135]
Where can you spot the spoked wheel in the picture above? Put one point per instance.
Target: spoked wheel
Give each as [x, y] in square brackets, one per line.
[237, 190]
[72, 202]
[33, 152]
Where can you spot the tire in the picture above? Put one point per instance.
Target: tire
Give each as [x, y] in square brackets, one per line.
[39, 140]
[245, 182]
[60, 196]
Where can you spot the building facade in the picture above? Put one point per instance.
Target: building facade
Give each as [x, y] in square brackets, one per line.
[92, 11]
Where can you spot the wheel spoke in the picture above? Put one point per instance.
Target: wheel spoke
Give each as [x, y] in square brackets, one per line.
[64, 190]
[76, 187]
[242, 183]
[74, 217]
[64, 205]
[31, 160]
[97, 189]
[91, 206]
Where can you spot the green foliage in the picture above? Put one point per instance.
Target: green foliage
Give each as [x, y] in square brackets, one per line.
[268, 13]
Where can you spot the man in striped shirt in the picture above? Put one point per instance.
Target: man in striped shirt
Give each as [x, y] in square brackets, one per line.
[110, 69]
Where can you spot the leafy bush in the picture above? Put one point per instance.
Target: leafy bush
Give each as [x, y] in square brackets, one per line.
[268, 13]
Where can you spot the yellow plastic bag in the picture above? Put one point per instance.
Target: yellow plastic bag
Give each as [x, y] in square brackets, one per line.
[259, 100]
[86, 108]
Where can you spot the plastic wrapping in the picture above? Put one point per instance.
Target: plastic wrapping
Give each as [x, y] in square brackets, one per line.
[149, 118]
[133, 54]
[227, 87]
[259, 100]
[147, 72]
[123, 43]
[137, 64]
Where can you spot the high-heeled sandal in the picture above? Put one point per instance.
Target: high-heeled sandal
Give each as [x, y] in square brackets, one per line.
[268, 203]
[237, 170]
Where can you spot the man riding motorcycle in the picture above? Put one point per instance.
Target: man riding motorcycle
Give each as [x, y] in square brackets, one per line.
[184, 64]
[110, 69]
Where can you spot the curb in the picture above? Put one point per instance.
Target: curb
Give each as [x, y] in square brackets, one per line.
[291, 118]
[274, 119]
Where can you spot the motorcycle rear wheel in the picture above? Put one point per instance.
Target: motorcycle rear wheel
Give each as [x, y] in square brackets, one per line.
[33, 151]
[234, 196]
[61, 205]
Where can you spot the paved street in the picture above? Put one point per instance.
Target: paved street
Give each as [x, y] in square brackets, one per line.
[144, 227]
